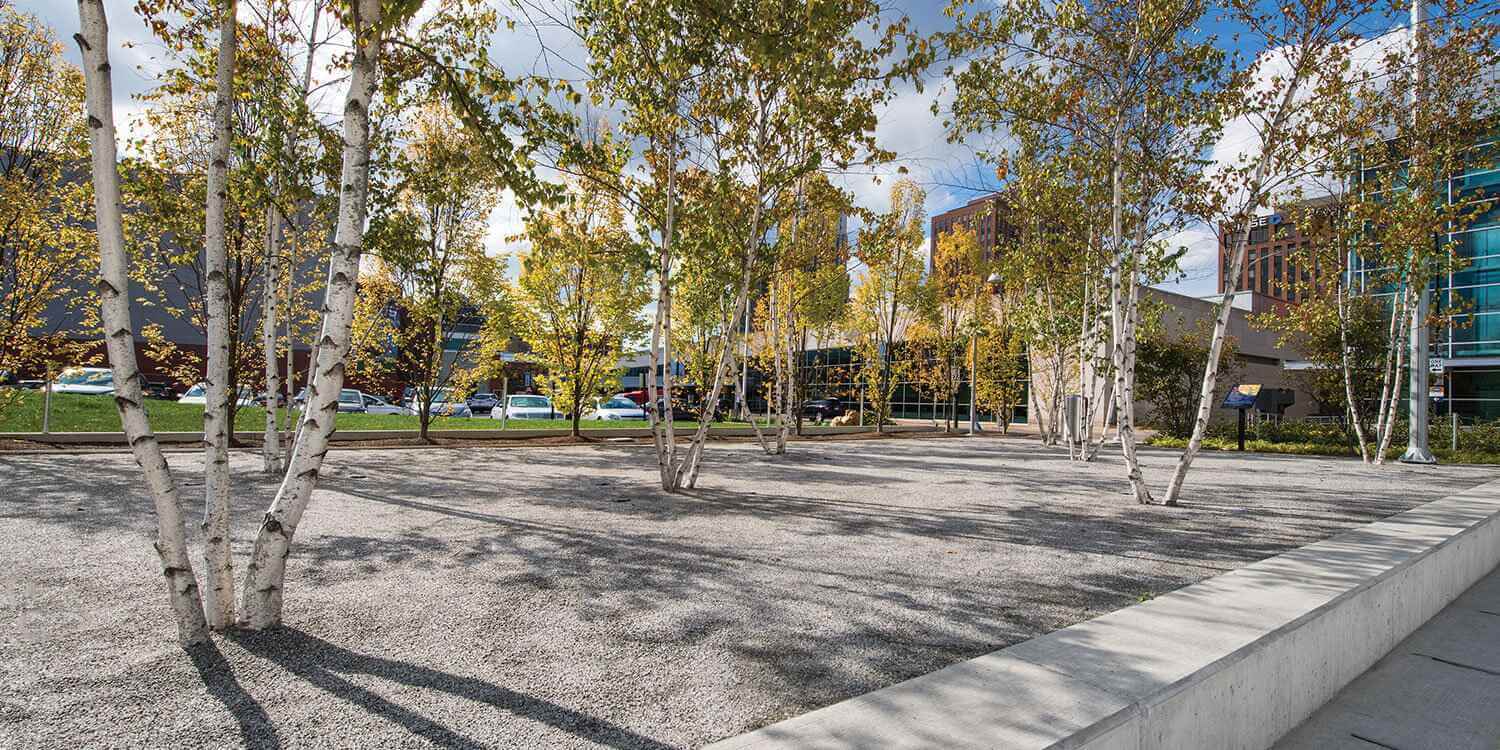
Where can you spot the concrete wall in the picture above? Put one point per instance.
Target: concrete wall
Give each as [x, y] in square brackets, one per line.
[1232, 662]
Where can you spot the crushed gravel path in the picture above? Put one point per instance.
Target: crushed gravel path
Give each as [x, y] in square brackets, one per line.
[550, 597]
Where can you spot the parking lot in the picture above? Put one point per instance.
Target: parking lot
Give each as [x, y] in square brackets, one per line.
[552, 597]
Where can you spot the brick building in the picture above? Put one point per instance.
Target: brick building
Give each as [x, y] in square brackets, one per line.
[1272, 272]
[983, 215]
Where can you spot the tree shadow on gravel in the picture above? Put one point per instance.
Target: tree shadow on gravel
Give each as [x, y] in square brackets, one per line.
[326, 666]
[256, 728]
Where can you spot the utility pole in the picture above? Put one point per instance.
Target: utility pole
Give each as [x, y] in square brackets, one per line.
[1417, 451]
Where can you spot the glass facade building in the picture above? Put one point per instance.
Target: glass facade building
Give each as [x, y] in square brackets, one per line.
[1468, 340]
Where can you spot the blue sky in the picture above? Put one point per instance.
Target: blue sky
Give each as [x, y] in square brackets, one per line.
[907, 125]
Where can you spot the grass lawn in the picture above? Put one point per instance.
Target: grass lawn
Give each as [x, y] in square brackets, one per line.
[1308, 448]
[75, 413]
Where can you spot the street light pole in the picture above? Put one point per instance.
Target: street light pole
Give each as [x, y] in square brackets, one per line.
[1417, 451]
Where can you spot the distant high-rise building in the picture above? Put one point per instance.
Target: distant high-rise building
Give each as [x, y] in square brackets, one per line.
[1273, 271]
[984, 215]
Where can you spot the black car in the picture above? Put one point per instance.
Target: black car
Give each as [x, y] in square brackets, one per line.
[158, 389]
[482, 402]
[822, 408]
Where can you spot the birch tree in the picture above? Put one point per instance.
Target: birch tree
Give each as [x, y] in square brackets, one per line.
[266, 572]
[288, 193]
[1425, 116]
[445, 56]
[1341, 332]
[807, 292]
[762, 94]
[793, 88]
[119, 336]
[218, 599]
[1307, 49]
[648, 58]
[1123, 81]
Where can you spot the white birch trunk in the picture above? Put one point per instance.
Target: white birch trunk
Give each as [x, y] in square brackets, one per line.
[271, 443]
[1393, 335]
[1270, 145]
[1122, 322]
[291, 266]
[119, 335]
[782, 344]
[1393, 377]
[1351, 403]
[744, 367]
[1126, 380]
[218, 574]
[266, 573]
[663, 434]
[694, 456]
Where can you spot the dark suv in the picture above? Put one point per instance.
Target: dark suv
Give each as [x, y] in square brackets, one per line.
[158, 389]
[822, 408]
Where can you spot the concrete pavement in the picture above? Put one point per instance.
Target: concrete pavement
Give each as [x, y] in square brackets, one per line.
[1439, 689]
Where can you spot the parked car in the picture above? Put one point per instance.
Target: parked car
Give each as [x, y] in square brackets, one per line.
[199, 391]
[482, 402]
[378, 405]
[93, 381]
[161, 389]
[443, 405]
[640, 397]
[525, 406]
[821, 409]
[351, 401]
[614, 409]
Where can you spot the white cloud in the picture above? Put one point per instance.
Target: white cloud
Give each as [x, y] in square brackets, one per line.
[1240, 144]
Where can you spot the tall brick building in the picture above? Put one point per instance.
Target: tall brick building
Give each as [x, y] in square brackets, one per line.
[1271, 271]
[983, 215]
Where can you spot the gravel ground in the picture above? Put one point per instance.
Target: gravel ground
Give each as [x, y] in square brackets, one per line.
[550, 597]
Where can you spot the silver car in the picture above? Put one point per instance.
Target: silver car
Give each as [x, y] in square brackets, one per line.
[525, 407]
[444, 404]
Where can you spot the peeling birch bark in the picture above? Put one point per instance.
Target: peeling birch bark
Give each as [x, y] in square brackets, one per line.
[218, 574]
[119, 335]
[266, 574]
[271, 442]
[1123, 311]
[1346, 370]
